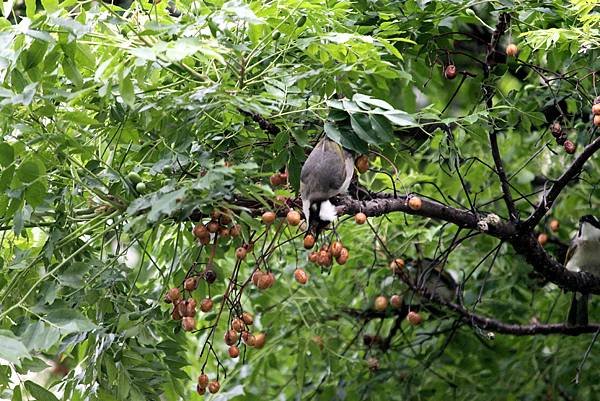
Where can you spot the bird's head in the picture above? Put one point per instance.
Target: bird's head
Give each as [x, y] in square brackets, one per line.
[589, 228]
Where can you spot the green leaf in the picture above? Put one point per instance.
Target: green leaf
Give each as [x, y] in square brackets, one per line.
[11, 348]
[35, 193]
[126, 90]
[400, 118]
[50, 5]
[39, 336]
[30, 8]
[7, 154]
[382, 128]
[30, 170]
[38, 392]
[362, 127]
[70, 321]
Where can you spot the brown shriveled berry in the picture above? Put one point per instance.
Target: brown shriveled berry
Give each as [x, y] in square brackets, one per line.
[268, 218]
[324, 258]
[554, 225]
[259, 340]
[396, 301]
[542, 239]
[450, 71]
[190, 283]
[360, 218]
[210, 275]
[230, 337]
[188, 323]
[215, 214]
[250, 339]
[213, 387]
[206, 305]
[512, 50]
[240, 253]
[381, 303]
[313, 257]
[336, 248]
[205, 239]
[234, 351]
[596, 109]
[414, 318]
[556, 129]
[293, 218]
[182, 308]
[173, 295]
[200, 390]
[203, 380]
[301, 276]
[362, 164]
[225, 218]
[237, 324]
[343, 258]
[199, 230]
[247, 318]
[212, 226]
[245, 335]
[397, 265]
[415, 203]
[264, 281]
[597, 120]
[309, 241]
[223, 232]
[235, 230]
[570, 147]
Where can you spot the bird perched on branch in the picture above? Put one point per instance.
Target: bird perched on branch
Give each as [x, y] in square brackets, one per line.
[326, 173]
[583, 255]
[434, 279]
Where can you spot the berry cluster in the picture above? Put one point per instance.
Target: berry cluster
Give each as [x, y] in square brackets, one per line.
[561, 138]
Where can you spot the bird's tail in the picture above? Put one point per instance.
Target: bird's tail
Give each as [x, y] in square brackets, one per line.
[578, 312]
[320, 215]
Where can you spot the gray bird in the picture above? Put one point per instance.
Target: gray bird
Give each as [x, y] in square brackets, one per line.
[326, 173]
[583, 255]
[434, 279]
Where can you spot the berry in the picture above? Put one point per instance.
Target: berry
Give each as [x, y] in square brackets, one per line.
[200, 390]
[343, 258]
[256, 276]
[140, 187]
[313, 257]
[381, 303]
[554, 225]
[414, 318]
[597, 119]
[450, 71]
[240, 253]
[190, 284]
[268, 217]
[134, 177]
[301, 21]
[512, 50]
[250, 339]
[301, 276]
[570, 147]
[200, 231]
[212, 226]
[415, 203]
[230, 337]
[206, 305]
[309, 241]
[396, 301]
[275, 35]
[362, 164]
[223, 232]
[210, 275]
[173, 295]
[324, 258]
[264, 281]
[190, 307]
[556, 129]
[225, 218]
[596, 109]
[234, 351]
[175, 314]
[259, 340]
[188, 323]
[373, 364]
[275, 180]
[247, 318]
[203, 380]
[235, 230]
[336, 249]
[397, 265]
[360, 218]
[237, 324]
[293, 218]
[542, 239]
[213, 387]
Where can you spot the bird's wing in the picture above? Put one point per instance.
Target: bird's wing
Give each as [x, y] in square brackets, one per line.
[570, 252]
[326, 161]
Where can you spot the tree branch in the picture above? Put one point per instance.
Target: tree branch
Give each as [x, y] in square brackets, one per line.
[570, 173]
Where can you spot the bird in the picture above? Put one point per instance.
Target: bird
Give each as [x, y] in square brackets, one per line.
[583, 255]
[326, 173]
[434, 279]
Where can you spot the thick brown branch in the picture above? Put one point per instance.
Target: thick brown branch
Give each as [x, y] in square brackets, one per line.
[549, 199]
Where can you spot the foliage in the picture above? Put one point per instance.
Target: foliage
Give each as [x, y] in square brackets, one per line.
[203, 105]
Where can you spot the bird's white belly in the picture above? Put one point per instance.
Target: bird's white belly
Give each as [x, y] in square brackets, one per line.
[586, 258]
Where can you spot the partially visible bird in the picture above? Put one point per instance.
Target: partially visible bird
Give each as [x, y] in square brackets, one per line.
[434, 279]
[583, 255]
[326, 173]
